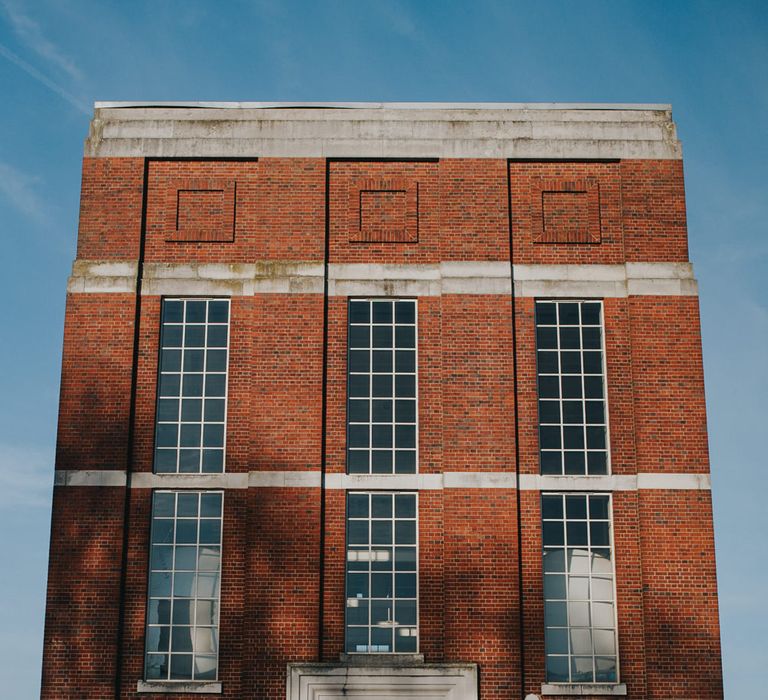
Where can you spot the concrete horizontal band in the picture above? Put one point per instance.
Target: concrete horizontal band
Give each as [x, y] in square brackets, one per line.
[584, 689]
[383, 131]
[186, 687]
[371, 279]
[405, 482]
[315, 681]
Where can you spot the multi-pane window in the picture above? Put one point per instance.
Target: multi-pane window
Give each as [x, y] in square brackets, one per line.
[184, 577]
[382, 581]
[579, 609]
[381, 387]
[192, 386]
[572, 414]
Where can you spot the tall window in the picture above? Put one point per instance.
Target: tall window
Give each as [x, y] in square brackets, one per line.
[192, 386]
[579, 610]
[381, 387]
[572, 415]
[185, 570]
[382, 581]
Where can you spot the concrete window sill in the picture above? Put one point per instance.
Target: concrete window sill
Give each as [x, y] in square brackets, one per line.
[584, 689]
[202, 687]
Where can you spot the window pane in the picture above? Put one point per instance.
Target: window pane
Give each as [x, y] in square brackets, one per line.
[190, 370]
[182, 605]
[570, 366]
[381, 580]
[579, 615]
[381, 387]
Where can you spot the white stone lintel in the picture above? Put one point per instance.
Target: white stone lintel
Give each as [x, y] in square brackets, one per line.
[611, 482]
[284, 479]
[89, 477]
[148, 480]
[397, 482]
[677, 482]
[186, 687]
[584, 689]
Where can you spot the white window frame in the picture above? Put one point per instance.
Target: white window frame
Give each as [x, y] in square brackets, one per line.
[604, 377]
[370, 374]
[179, 422]
[371, 549]
[568, 627]
[193, 599]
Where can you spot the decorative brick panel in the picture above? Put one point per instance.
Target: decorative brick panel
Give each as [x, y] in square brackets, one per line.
[200, 210]
[565, 211]
[384, 211]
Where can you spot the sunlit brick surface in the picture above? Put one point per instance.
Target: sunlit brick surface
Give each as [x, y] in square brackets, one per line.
[285, 547]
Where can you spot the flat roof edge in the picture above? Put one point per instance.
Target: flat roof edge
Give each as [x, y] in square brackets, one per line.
[391, 105]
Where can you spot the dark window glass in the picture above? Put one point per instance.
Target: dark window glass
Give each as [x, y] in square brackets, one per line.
[188, 368]
[572, 434]
[176, 639]
[579, 615]
[381, 386]
[381, 579]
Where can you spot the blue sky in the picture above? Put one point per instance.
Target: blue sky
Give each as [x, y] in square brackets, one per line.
[709, 59]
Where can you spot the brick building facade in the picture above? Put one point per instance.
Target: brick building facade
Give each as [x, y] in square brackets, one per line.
[382, 401]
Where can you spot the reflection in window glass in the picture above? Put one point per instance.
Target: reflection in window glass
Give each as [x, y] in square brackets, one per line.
[382, 576]
[572, 416]
[184, 579]
[192, 386]
[381, 387]
[579, 606]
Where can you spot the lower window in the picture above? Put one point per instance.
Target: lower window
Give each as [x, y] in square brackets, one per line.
[579, 598]
[182, 640]
[382, 577]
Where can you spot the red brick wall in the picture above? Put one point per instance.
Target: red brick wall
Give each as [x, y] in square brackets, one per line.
[481, 587]
[476, 383]
[682, 632]
[83, 592]
[668, 376]
[279, 210]
[530, 220]
[110, 209]
[469, 593]
[95, 390]
[653, 200]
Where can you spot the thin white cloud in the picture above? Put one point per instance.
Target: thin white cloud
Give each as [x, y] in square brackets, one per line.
[50, 84]
[26, 476]
[31, 35]
[20, 191]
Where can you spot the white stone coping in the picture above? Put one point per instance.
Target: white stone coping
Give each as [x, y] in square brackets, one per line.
[377, 279]
[584, 689]
[190, 687]
[375, 130]
[331, 681]
[688, 481]
[564, 106]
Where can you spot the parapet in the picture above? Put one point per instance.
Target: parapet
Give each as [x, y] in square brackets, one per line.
[383, 130]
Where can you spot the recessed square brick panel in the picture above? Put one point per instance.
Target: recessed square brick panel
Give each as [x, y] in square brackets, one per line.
[384, 211]
[200, 210]
[565, 211]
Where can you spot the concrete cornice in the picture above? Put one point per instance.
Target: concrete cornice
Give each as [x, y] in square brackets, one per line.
[382, 130]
